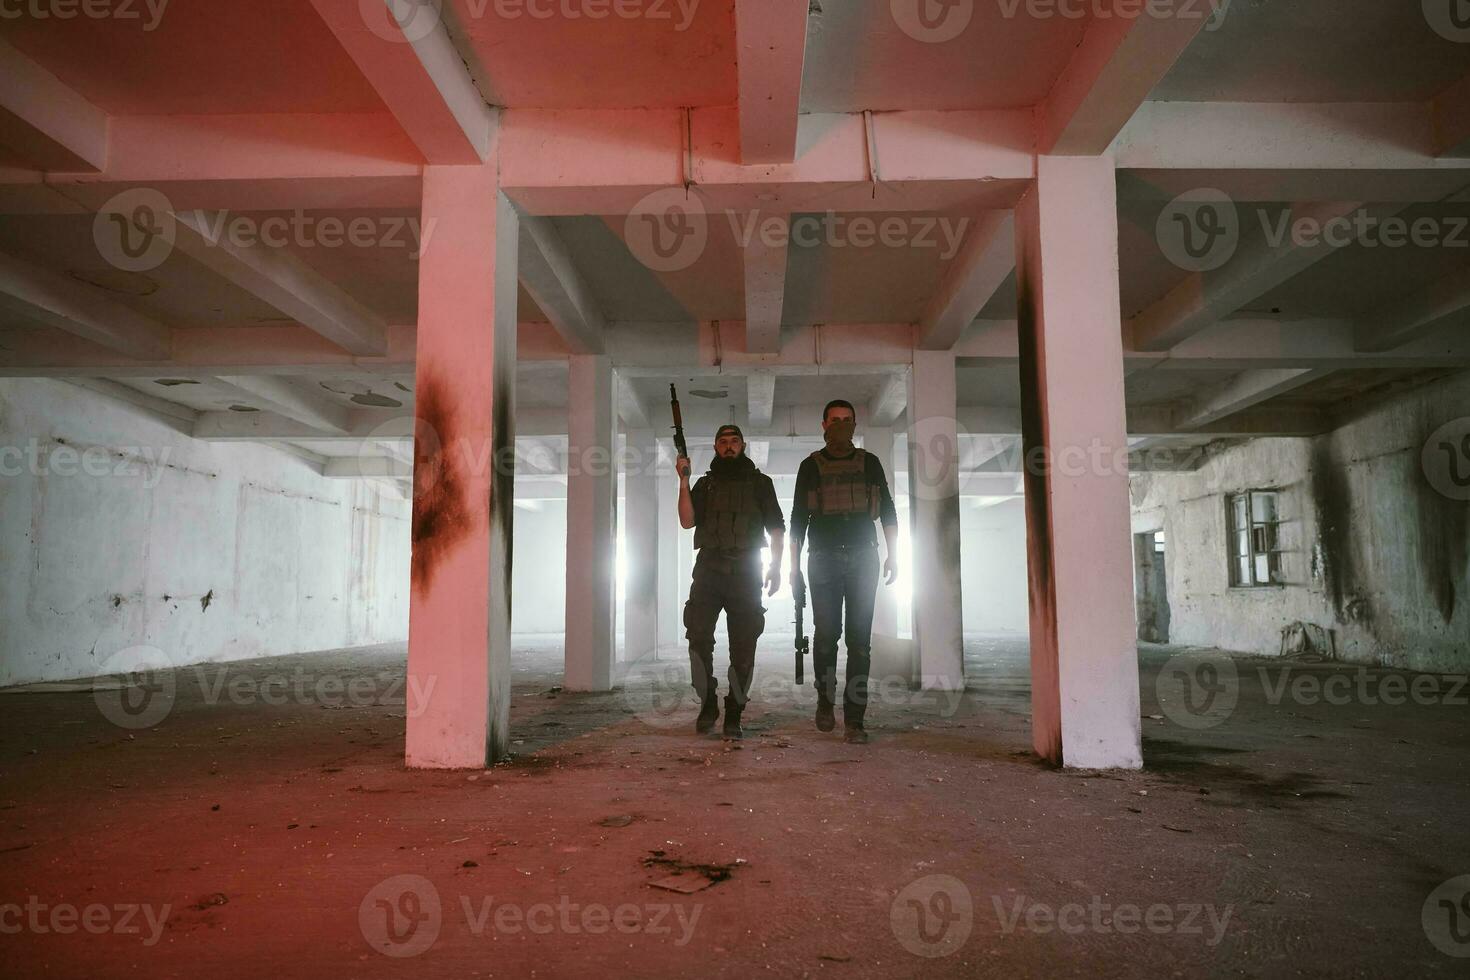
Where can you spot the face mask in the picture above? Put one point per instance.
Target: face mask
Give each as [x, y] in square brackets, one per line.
[839, 435]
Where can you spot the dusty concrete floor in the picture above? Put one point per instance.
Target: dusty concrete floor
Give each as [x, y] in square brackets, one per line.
[269, 829]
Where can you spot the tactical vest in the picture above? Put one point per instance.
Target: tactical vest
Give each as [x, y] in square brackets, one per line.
[843, 487]
[732, 516]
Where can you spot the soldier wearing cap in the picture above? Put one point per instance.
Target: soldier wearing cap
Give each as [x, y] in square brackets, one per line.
[841, 492]
[731, 509]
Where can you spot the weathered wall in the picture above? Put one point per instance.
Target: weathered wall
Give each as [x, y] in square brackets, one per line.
[1373, 550]
[207, 552]
[993, 567]
[539, 568]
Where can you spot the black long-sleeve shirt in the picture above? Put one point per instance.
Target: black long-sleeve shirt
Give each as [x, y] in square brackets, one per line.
[839, 530]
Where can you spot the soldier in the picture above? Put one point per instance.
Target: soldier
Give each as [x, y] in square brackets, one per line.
[840, 492]
[731, 508]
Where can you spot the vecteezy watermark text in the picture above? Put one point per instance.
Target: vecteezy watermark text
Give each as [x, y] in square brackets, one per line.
[402, 916]
[64, 919]
[146, 13]
[1202, 229]
[138, 229]
[53, 458]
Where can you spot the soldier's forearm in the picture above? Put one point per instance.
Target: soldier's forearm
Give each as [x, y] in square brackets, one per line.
[778, 547]
[890, 538]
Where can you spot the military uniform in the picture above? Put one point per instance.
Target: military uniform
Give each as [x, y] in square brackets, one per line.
[735, 507]
[838, 500]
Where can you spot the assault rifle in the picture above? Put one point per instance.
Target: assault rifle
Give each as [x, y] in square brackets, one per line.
[680, 446]
[803, 645]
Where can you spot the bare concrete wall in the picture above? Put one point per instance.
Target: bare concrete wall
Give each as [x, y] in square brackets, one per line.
[117, 531]
[1374, 549]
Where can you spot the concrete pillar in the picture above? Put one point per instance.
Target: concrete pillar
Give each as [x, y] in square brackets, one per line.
[670, 598]
[464, 473]
[592, 547]
[878, 440]
[641, 547]
[1084, 660]
[934, 515]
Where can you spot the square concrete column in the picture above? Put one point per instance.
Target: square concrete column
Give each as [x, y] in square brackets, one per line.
[641, 547]
[878, 440]
[670, 598]
[934, 515]
[464, 473]
[1084, 656]
[592, 550]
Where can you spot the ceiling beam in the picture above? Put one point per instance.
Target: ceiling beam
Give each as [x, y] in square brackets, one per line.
[296, 404]
[1246, 390]
[985, 261]
[631, 410]
[419, 74]
[1451, 114]
[79, 309]
[765, 284]
[1108, 78]
[760, 398]
[577, 162]
[1258, 266]
[264, 162]
[770, 38]
[551, 277]
[178, 417]
[1438, 304]
[890, 401]
[283, 281]
[46, 122]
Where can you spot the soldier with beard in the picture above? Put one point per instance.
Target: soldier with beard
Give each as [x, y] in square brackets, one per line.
[841, 492]
[731, 509]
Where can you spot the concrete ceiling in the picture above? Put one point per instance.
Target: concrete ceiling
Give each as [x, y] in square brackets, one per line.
[254, 64]
[1316, 51]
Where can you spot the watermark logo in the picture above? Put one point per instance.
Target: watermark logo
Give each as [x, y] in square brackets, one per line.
[138, 229]
[1210, 11]
[1446, 459]
[654, 10]
[658, 692]
[64, 919]
[1199, 230]
[401, 916]
[1449, 18]
[120, 10]
[1198, 690]
[1446, 917]
[933, 917]
[134, 231]
[59, 459]
[667, 230]
[401, 21]
[147, 691]
[1106, 918]
[932, 21]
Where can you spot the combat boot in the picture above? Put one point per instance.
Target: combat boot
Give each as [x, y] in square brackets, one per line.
[826, 719]
[732, 728]
[852, 724]
[709, 713]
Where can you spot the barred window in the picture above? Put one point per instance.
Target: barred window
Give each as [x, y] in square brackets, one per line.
[1255, 538]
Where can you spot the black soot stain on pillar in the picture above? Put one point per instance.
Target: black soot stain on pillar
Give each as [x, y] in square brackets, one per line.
[503, 482]
[1033, 440]
[441, 517]
[1333, 502]
[1444, 535]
